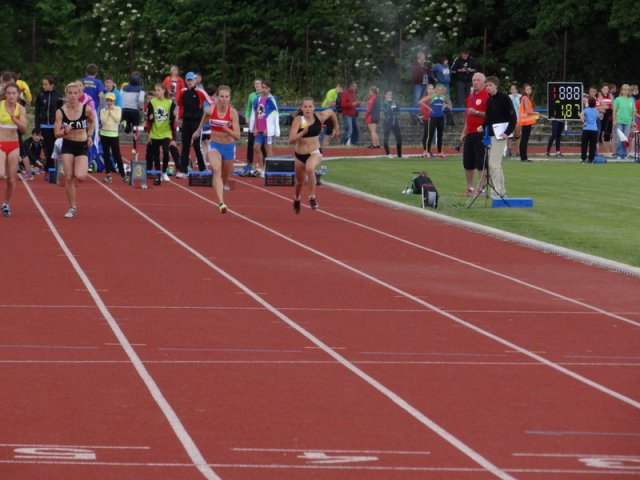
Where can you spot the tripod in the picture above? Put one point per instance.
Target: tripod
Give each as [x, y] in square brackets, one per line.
[486, 177]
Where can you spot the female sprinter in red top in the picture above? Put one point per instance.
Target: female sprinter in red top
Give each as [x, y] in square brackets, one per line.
[225, 131]
[305, 131]
[13, 120]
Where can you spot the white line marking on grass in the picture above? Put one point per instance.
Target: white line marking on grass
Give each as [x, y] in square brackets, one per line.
[171, 416]
[403, 404]
[507, 343]
[466, 263]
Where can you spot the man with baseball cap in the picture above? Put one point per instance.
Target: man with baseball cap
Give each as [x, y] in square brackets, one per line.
[190, 102]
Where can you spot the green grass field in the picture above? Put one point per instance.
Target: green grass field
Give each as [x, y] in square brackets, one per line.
[590, 208]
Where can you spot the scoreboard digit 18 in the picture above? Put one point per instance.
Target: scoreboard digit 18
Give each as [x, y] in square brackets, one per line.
[564, 100]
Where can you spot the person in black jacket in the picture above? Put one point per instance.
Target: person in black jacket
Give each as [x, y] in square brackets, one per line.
[499, 123]
[47, 102]
[391, 123]
[463, 68]
[190, 101]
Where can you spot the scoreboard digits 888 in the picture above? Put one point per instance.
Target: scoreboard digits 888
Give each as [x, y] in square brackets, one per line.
[564, 100]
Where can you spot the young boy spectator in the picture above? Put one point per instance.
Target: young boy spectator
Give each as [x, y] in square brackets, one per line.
[34, 148]
[93, 86]
[589, 117]
[110, 87]
[265, 125]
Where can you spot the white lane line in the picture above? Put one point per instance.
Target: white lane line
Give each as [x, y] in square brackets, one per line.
[496, 338]
[573, 455]
[171, 416]
[464, 262]
[52, 347]
[616, 473]
[296, 450]
[399, 401]
[92, 447]
[553, 433]
[585, 258]
[318, 362]
[320, 309]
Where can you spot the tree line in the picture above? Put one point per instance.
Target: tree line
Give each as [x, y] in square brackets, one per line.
[306, 46]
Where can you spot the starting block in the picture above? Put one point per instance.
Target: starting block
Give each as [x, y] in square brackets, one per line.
[512, 203]
[56, 174]
[138, 173]
[201, 179]
[155, 176]
[279, 171]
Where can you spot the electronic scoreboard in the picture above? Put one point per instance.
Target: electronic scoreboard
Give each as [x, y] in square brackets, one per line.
[564, 100]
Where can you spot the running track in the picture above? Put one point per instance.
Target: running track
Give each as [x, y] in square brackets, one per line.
[153, 338]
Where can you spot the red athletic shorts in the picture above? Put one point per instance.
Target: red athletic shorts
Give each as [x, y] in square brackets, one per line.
[8, 147]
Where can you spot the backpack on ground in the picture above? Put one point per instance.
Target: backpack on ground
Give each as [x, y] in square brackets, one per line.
[423, 185]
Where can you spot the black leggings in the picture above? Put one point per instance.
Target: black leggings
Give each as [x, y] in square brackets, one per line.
[524, 141]
[398, 136]
[49, 140]
[153, 154]
[436, 126]
[557, 127]
[606, 126]
[588, 144]
[111, 147]
[189, 126]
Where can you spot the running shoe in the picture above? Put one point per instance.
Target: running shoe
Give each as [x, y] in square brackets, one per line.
[165, 177]
[181, 175]
[296, 205]
[226, 188]
[313, 203]
[126, 178]
[6, 210]
[223, 208]
[108, 179]
[70, 213]
[441, 155]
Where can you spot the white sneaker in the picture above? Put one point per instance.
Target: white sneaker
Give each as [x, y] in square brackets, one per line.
[226, 188]
[165, 177]
[389, 156]
[70, 213]
[181, 175]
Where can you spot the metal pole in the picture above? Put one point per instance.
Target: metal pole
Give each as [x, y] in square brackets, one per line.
[564, 61]
[484, 52]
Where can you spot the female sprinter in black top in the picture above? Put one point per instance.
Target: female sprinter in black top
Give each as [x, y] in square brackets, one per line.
[75, 124]
[305, 132]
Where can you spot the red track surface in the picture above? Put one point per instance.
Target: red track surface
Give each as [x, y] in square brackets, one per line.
[267, 345]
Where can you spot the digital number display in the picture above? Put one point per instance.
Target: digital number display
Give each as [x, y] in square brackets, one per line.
[564, 100]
